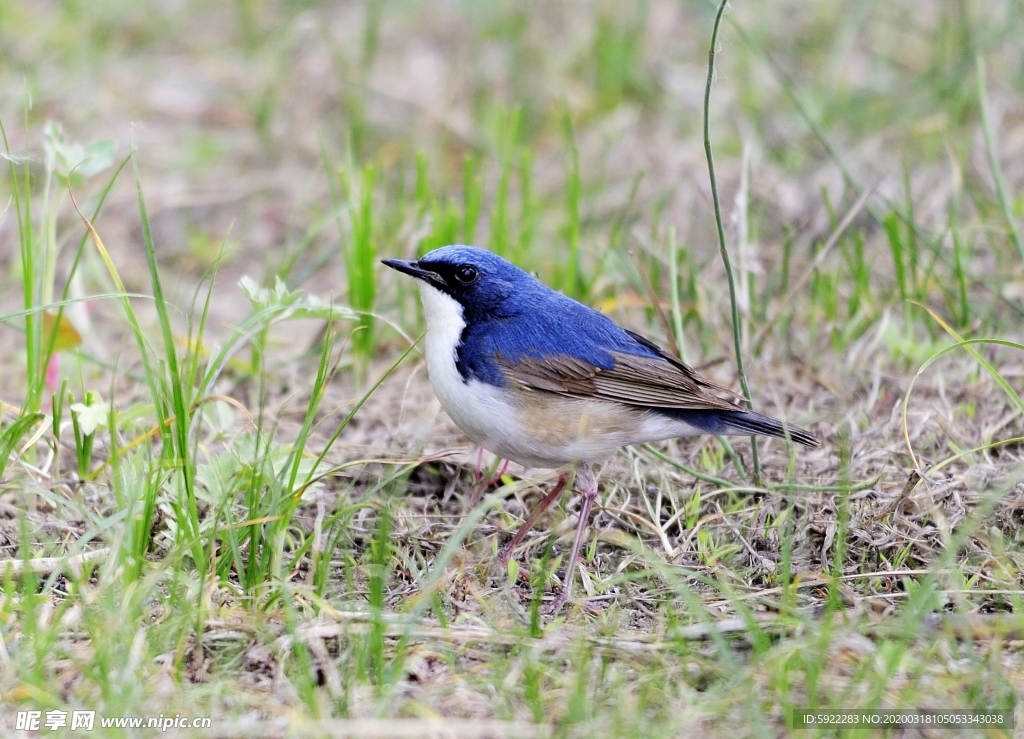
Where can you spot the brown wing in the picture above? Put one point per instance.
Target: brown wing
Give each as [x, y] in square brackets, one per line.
[659, 382]
[687, 370]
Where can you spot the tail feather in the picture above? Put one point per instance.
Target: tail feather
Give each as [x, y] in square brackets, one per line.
[744, 422]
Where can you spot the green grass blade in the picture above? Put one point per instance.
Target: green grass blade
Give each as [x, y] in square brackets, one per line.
[723, 248]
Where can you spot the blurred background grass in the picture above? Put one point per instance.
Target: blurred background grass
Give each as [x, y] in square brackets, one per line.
[560, 135]
[303, 140]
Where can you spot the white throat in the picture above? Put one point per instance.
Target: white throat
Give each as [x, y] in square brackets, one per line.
[444, 326]
[480, 410]
[444, 332]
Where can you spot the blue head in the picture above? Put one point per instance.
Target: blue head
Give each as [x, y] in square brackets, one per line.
[500, 309]
[482, 283]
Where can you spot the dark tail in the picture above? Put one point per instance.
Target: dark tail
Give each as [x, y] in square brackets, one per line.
[743, 422]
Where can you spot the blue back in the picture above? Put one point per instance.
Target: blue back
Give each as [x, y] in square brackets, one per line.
[508, 311]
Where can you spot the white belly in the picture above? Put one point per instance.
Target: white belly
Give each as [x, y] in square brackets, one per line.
[533, 428]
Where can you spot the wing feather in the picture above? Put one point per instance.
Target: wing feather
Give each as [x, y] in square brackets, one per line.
[654, 381]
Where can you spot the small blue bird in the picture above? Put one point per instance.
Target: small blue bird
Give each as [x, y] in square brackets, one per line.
[538, 378]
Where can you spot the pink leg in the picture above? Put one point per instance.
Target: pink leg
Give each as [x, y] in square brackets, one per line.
[481, 485]
[479, 464]
[506, 551]
[588, 484]
[501, 473]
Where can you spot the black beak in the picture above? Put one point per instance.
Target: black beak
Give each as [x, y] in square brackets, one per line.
[415, 270]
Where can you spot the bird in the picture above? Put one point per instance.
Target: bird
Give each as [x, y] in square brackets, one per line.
[536, 377]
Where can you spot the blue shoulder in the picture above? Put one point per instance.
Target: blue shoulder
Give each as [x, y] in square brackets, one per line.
[547, 326]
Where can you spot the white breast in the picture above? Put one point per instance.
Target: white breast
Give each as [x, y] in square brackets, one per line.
[477, 408]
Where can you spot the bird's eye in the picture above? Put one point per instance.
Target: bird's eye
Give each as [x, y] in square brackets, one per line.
[466, 274]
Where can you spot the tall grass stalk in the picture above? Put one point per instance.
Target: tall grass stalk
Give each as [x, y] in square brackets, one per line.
[737, 334]
[993, 160]
[356, 235]
[899, 262]
[961, 253]
[174, 402]
[168, 402]
[472, 198]
[508, 134]
[571, 281]
[529, 209]
[673, 279]
[361, 261]
[32, 294]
